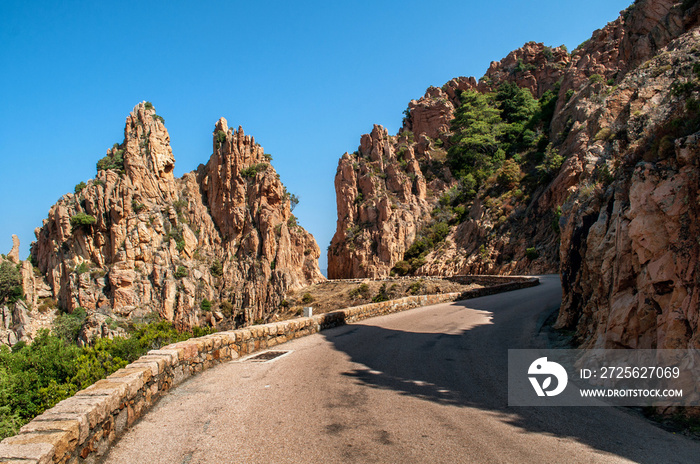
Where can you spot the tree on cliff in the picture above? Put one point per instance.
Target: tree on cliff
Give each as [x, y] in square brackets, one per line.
[475, 148]
[10, 282]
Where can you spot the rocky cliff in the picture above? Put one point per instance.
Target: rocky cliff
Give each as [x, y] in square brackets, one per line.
[629, 247]
[390, 191]
[599, 181]
[217, 247]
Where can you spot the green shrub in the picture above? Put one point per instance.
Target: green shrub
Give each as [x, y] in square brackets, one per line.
[362, 290]
[550, 165]
[531, 253]
[555, 221]
[484, 253]
[522, 67]
[604, 134]
[548, 54]
[509, 175]
[79, 187]
[402, 268]
[82, 220]
[406, 116]
[159, 118]
[596, 78]
[217, 268]
[10, 283]
[97, 273]
[67, 325]
[82, 268]
[176, 234]
[253, 170]
[517, 104]
[205, 305]
[137, 207]
[113, 160]
[180, 205]
[148, 105]
[293, 201]
[427, 240]
[415, 287]
[381, 295]
[47, 304]
[307, 298]
[679, 88]
[181, 272]
[220, 137]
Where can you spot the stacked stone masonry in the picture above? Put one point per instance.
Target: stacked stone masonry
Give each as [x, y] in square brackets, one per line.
[81, 429]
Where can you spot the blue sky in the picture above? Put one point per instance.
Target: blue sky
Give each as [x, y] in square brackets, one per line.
[305, 78]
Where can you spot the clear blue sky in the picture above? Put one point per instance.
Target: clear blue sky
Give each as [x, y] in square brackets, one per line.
[305, 78]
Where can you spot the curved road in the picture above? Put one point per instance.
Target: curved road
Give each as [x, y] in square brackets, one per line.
[426, 385]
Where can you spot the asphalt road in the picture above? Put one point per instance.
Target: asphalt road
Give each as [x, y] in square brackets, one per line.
[427, 385]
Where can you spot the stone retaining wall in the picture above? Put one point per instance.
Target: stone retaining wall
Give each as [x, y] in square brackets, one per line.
[80, 429]
[462, 279]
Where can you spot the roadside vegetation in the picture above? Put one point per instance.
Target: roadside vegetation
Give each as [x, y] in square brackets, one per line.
[36, 376]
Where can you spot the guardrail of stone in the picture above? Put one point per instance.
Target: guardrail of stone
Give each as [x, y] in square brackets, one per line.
[81, 428]
[463, 279]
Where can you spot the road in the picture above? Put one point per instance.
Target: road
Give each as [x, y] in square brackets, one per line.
[427, 385]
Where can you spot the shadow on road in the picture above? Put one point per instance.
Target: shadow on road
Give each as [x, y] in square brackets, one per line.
[469, 369]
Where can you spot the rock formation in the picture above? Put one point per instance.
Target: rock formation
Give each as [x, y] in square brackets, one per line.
[618, 218]
[629, 251]
[21, 315]
[388, 189]
[218, 246]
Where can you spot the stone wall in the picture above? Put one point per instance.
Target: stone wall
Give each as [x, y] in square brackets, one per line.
[80, 429]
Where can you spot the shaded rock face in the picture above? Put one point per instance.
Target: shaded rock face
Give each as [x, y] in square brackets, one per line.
[629, 252]
[626, 243]
[157, 244]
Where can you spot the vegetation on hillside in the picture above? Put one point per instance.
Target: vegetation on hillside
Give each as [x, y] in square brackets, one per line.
[113, 160]
[10, 282]
[498, 149]
[36, 376]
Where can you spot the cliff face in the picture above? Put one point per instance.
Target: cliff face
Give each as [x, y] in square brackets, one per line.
[616, 212]
[218, 246]
[629, 249]
[388, 190]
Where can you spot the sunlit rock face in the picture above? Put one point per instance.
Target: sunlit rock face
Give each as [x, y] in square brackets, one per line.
[218, 246]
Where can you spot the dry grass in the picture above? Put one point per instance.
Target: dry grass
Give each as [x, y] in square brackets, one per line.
[332, 295]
